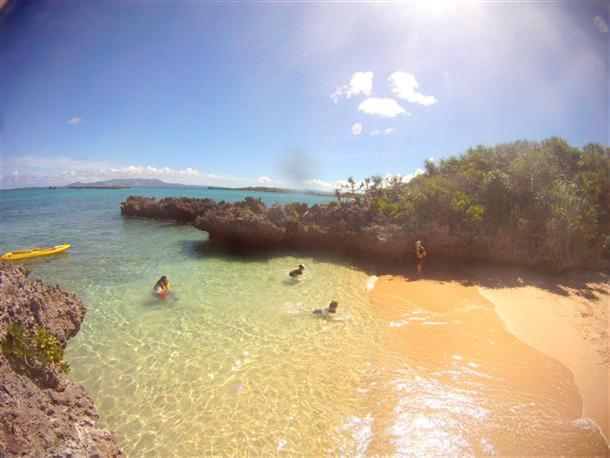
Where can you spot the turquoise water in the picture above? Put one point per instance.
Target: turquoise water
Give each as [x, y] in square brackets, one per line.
[232, 362]
[104, 245]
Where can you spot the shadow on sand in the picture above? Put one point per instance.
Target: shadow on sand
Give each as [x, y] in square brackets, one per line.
[495, 276]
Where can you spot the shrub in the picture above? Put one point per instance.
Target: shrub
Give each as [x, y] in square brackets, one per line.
[546, 189]
[27, 352]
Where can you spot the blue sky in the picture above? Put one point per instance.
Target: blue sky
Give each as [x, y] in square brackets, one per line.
[301, 94]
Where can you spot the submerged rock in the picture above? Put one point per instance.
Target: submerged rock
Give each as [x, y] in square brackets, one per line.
[353, 229]
[41, 413]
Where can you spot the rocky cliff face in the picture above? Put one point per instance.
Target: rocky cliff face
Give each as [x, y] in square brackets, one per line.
[41, 413]
[351, 230]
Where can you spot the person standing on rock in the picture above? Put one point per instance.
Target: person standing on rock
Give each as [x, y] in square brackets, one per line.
[420, 254]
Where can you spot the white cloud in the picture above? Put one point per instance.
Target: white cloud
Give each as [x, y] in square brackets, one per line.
[600, 24]
[41, 171]
[360, 83]
[318, 184]
[133, 171]
[75, 120]
[388, 108]
[386, 131]
[388, 177]
[44, 171]
[410, 176]
[311, 183]
[228, 178]
[357, 128]
[405, 86]
[16, 179]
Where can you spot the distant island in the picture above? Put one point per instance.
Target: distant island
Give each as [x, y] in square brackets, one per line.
[278, 190]
[124, 183]
[88, 186]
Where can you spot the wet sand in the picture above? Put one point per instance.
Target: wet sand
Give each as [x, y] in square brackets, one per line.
[461, 375]
[568, 325]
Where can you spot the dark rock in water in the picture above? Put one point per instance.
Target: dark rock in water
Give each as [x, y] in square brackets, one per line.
[41, 413]
[182, 210]
[356, 230]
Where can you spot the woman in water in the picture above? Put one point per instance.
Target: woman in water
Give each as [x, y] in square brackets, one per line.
[161, 288]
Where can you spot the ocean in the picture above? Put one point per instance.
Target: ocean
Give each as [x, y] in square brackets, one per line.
[234, 363]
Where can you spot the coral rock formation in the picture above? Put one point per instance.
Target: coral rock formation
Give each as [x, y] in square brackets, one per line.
[41, 413]
[351, 229]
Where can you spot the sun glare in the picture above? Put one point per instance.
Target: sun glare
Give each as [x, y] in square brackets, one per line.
[435, 7]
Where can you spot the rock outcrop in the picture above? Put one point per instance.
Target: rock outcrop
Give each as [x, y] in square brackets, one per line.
[352, 230]
[41, 413]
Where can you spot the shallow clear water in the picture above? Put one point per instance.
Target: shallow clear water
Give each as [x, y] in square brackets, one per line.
[233, 363]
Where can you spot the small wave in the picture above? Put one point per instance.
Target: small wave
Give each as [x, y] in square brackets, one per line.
[588, 424]
[361, 429]
[415, 320]
[370, 283]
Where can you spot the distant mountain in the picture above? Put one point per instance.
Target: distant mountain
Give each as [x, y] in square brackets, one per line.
[132, 183]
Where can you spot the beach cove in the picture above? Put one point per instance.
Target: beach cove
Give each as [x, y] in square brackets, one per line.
[234, 362]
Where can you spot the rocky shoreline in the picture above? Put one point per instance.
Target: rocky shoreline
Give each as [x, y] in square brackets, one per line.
[350, 229]
[42, 413]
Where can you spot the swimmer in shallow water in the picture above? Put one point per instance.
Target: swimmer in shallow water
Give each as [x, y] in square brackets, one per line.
[326, 313]
[161, 288]
[298, 272]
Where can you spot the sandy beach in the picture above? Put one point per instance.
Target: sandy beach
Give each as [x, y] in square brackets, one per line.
[544, 337]
[569, 324]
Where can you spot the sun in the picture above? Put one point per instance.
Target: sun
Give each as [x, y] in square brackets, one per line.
[435, 7]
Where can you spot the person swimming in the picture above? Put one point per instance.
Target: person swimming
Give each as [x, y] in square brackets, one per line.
[161, 288]
[298, 272]
[325, 313]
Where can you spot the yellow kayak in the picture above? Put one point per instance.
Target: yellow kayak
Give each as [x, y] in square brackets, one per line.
[34, 252]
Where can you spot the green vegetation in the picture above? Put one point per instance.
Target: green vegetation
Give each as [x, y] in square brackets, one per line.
[28, 352]
[296, 209]
[544, 193]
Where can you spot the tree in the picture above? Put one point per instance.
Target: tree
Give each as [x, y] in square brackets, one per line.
[338, 194]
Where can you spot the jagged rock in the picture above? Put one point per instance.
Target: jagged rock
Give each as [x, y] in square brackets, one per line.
[41, 413]
[353, 229]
